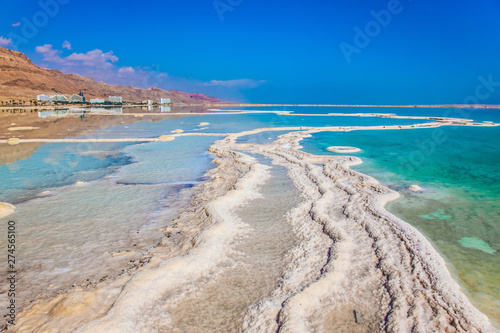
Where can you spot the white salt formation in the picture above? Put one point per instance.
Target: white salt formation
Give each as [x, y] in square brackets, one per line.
[166, 138]
[414, 188]
[343, 149]
[13, 141]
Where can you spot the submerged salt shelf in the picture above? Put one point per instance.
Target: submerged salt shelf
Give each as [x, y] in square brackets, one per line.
[273, 239]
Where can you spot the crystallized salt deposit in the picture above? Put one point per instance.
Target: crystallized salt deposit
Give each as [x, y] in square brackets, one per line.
[342, 149]
[414, 188]
[166, 138]
[13, 141]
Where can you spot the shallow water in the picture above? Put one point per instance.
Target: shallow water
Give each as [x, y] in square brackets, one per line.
[59, 164]
[235, 123]
[264, 137]
[475, 114]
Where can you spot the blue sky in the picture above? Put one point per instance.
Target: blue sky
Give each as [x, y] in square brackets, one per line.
[259, 51]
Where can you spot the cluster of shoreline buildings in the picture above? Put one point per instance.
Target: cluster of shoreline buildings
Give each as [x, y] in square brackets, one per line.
[79, 98]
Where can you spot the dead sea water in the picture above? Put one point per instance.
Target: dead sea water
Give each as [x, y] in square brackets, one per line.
[74, 233]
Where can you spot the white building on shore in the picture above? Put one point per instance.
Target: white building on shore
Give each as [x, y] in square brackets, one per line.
[43, 98]
[165, 101]
[97, 101]
[75, 98]
[115, 99]
[59, 98]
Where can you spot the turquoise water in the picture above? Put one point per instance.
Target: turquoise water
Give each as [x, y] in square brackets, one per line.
[475, 114]
[59, 164]
[459, 209]
[261, 137]
[168, 162]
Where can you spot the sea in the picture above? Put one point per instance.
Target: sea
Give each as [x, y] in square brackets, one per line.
[85, 211]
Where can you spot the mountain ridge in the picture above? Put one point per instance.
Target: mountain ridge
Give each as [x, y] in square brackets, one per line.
[21, 79]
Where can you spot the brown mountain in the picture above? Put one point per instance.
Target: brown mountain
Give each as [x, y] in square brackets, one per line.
[21, 79]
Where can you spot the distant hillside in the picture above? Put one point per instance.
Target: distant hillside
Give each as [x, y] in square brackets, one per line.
[21, 79]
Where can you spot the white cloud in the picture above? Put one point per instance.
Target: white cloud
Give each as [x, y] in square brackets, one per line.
[16, 24]
[126, 70]
[66, 45]
[5, 41]
[240, 83]
[50, 54]
[95, 58]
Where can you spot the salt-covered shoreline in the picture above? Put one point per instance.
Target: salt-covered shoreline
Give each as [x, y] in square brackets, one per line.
[353, 255]
[415, 291]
